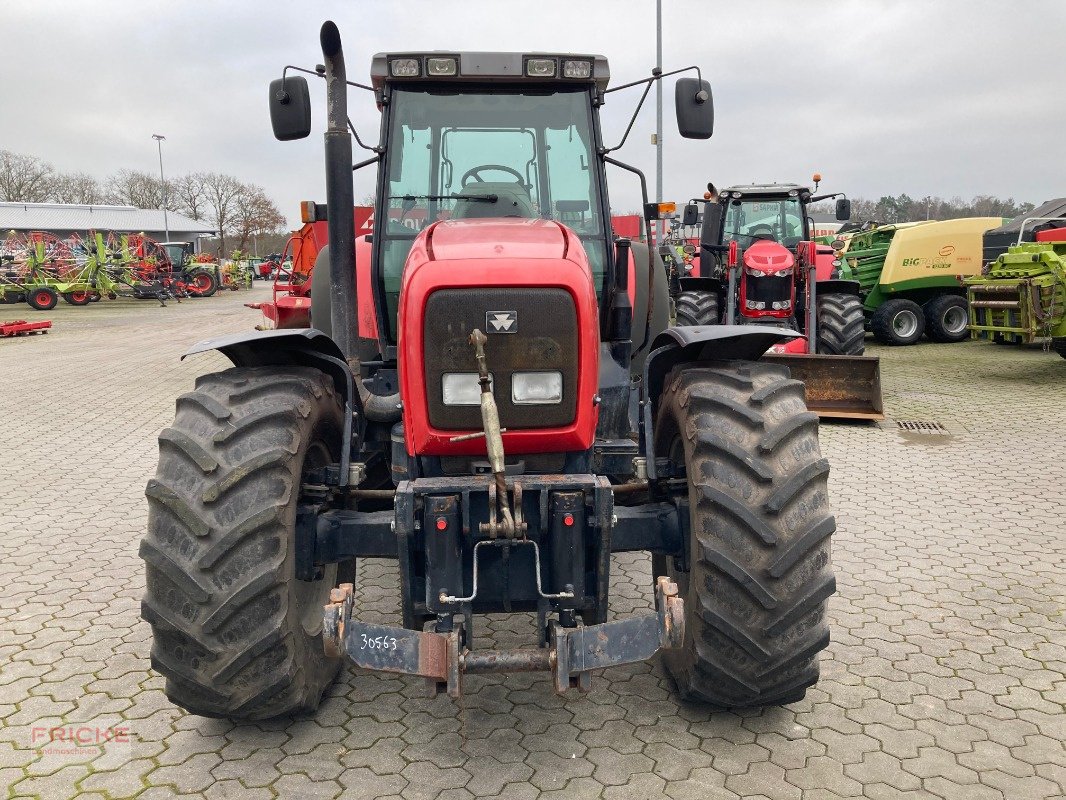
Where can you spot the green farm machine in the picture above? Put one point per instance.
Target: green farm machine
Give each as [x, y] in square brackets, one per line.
[1021, 298]
[38, 268]
[911, 276]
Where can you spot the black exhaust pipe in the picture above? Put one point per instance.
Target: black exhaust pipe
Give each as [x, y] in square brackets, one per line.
[340, 201]
[340, 209]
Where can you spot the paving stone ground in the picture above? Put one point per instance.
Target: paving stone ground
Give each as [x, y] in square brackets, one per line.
[945, 678]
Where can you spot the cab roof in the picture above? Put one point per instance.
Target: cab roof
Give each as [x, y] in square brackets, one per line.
[488, 66]
[765, 188]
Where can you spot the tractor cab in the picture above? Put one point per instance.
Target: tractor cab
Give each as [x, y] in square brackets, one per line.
[179, 253]
[774, 213]
[473, 137]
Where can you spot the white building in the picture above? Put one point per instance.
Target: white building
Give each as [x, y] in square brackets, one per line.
[62, 220]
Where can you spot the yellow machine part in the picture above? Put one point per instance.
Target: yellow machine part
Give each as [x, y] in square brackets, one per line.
[936, 249]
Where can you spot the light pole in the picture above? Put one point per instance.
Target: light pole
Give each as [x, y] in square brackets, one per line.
[162, 183]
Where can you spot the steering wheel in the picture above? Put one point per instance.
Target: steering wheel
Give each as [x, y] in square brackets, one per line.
[471, 175]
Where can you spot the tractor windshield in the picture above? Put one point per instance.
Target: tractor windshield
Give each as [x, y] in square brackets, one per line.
[748, 219]
[481, 153]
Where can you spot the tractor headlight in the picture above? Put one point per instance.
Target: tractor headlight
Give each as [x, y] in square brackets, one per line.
[577, 69]
[754, 305]
[441, 67]
[462, 388]
[537, 388]
[780, 305]
[540, 68]
[405, 68]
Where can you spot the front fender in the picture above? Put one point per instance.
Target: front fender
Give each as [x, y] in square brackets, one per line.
[688, 344]
[262, 348]
[305, 347]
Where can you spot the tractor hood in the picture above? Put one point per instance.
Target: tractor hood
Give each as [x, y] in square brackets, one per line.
[496, 238]
[767, 256]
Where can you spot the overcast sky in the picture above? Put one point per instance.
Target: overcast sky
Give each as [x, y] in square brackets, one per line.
[940, 97]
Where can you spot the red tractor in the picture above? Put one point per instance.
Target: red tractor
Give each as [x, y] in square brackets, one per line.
[498, 403]
[759, 266]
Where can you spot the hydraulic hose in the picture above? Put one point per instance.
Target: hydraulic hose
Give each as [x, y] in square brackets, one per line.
[377, 407]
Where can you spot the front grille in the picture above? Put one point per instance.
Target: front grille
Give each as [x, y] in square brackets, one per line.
[545, 339]
[768, 290]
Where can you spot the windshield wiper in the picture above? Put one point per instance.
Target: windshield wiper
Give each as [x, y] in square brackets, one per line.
[473, 198]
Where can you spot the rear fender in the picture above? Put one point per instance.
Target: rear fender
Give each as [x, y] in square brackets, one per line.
[305, 347]
[838, 286]
[700, 284]
[691, 344]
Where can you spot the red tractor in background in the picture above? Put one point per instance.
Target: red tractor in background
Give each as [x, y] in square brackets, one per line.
[759, 266]
[498, 403]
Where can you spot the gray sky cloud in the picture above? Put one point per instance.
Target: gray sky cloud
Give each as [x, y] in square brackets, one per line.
[955, 97]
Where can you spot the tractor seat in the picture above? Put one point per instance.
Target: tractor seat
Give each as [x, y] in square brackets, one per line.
[513, 201]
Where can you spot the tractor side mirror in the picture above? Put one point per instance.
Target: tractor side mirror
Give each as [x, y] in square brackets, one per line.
[290, 108]
[691, 214]
[712, 224]
[695, 108]
[843, 209]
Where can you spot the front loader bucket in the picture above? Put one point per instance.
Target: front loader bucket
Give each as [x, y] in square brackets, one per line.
[837, 387]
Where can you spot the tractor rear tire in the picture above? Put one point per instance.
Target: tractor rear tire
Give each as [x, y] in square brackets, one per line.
[234, 633]
[841, 325]
[697, 308]
[202, 283]
[758, 576]
[43, 298]
[898, 322]
[947, 318]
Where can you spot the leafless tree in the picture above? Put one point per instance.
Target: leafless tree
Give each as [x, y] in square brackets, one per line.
[221, 196]
[77, 187]
[188, 195]
[133, 188]
[255, 214]
[24, 179]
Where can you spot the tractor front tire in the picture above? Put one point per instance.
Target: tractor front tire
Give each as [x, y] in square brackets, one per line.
[234, 633]
[697, 308]
[841, 326]
[42, 298]
[898, 322]
[756, 578]
[947, 318]
[78, 298]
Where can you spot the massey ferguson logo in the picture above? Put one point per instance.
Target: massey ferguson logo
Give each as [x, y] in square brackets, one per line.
[501, 321]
